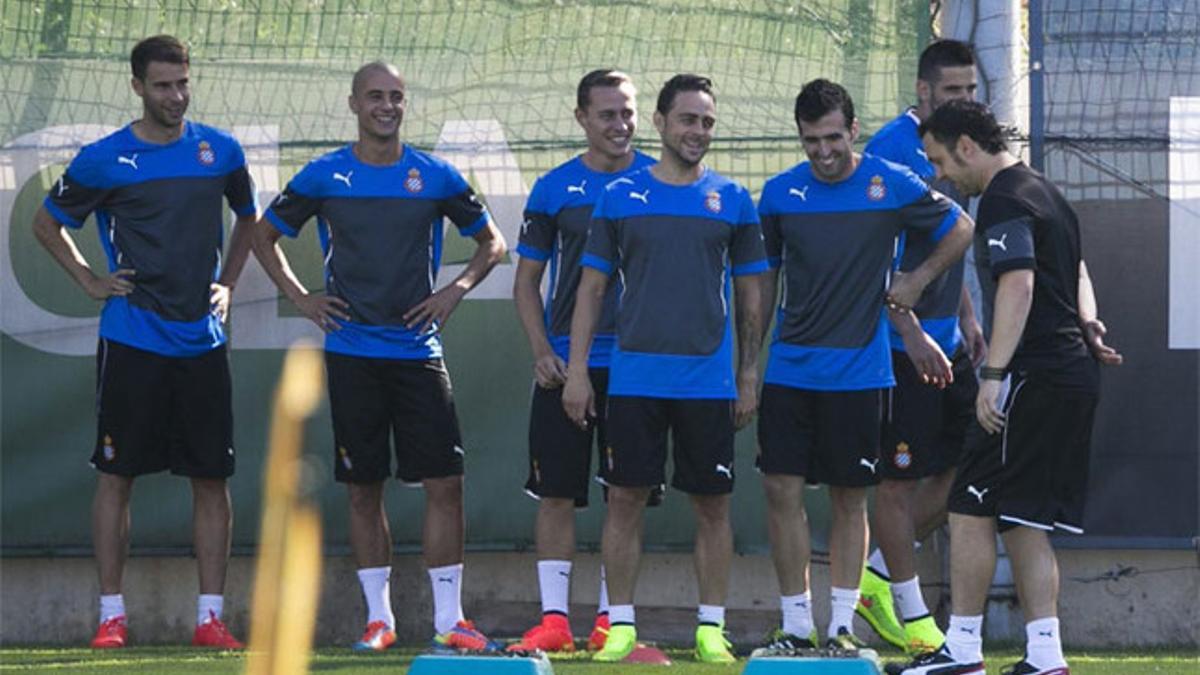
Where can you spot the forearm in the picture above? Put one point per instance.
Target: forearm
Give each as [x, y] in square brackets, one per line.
[58, 243]
[240, 243]
[769, 283]
[530, 309]
[265, 243]
[1088, 311]
[966, 308]
[748, 305]
[1014, 297]
[489, 249]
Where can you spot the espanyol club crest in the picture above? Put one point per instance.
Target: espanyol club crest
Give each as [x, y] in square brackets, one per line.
[876, 191]
[712, 201]
[205, 154]
[903, 457]
[414, 183]
[109, 450]
[345, 459]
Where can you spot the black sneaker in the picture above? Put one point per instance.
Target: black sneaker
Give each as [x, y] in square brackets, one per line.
[1023, 667]
[781, 643]
[935, 663]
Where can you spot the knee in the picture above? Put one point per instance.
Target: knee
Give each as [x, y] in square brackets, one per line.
[712, 511]
[625, 502]
[894, 492]
[445, 493]
[848, 502]
[366, 498]
[785, 494]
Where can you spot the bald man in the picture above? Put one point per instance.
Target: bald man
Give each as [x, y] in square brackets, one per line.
[383, 202]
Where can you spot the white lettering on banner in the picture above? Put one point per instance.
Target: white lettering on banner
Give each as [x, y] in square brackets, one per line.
[478, 148]
[20, 317]
[1183, 329]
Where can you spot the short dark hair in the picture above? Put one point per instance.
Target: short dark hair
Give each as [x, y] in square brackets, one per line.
[162, 48]
[821, 97]
[943, 54]
[972, 119]
[681, 83]
[602, 77]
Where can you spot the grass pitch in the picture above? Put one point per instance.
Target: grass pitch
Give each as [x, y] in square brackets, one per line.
[180, 661]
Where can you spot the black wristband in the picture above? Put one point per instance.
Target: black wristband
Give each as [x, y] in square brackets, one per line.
[986, 373]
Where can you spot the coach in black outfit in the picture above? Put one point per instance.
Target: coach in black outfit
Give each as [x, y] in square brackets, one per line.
[1025, 471]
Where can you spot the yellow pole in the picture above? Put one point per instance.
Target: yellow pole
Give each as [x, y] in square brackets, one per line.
[287, 574]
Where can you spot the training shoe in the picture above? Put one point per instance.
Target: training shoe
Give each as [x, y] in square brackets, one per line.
[621, 641]
[1023, 667]
[845, 640]
[711, 645]
[936, 663]
[922, 636]
[464, 636]
[553, 634]
[377, 638]
[599, 633]
[781, 641]
[876, 608]
[111, 634]
[213, 633]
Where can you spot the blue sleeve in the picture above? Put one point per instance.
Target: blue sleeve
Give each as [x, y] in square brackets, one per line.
[600, 251]
[79, 191]
[463, 207]
[239, 186]
[538, 229]
[747, 254]
[293, 207]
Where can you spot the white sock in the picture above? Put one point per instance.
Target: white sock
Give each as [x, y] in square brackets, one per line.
[602, 608]
[909, 600]
[376, 585]
[964, 638]
[711, 614]
[209, 607]
[554, 579]
[1043, 646]
[842, 602]
[876, 562]
[797, 614]
[447, 596]
[621, 614]
[111, 606]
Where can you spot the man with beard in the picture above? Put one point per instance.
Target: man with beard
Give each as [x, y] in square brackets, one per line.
[163, 395]
[1025, 470]
[675, 234]
[830, 224]
[379, 206]
[926, 414]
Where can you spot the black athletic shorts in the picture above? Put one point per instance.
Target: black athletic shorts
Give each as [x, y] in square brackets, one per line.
[702, 443]
[828, 437]
[160, 412]
[560, 453]
[924, 427]
[378, 402]
[1035, 471]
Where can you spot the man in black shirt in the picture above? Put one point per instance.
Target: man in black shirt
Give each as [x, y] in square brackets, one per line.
[1026, 465]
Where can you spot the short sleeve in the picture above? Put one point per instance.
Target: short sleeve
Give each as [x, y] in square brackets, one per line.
[239, 187]
[601, 250]
[772, 230]
[1008, 233]
[538, 229]
[921, 208]
[293, 207]
[747, 253]
[463, 207]
[74, 196]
